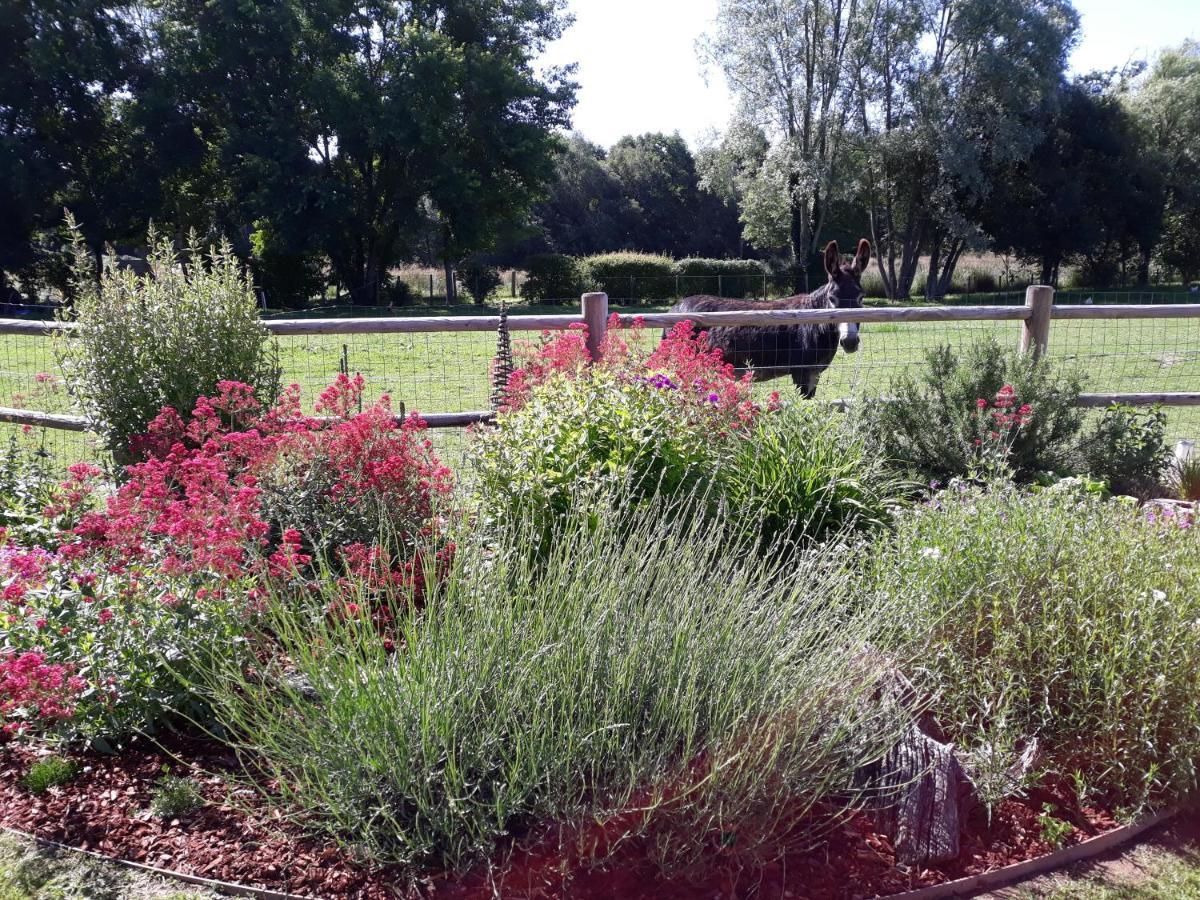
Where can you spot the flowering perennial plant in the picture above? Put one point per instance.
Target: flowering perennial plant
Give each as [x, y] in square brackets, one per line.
[31, 688]
[226, 506]
[683, 362]
[640, 421]
[997, 426]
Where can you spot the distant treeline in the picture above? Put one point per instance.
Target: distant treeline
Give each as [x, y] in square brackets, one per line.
[331, 142]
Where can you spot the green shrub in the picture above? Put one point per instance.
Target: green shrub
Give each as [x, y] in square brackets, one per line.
[552, 278]
[31, 511]
[52, 771]
[287, 279]
[1127, 447]
[175, 797]
[646, 680]
[720, 277]
[582, 440]
[801, 474]
[933, 427]
[478, 279]
[981, 282]
[163, 340]
[1099, 272]
[397, 292]
[630, 277]
[1061, 618]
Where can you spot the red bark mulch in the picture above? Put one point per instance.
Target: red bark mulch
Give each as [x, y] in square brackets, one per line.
[234, 838]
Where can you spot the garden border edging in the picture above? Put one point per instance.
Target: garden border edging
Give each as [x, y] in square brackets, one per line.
[1009, 875]
[211, 883]
[996, 878]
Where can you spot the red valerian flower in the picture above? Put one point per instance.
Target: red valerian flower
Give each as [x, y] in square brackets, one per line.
[32, 688]
[682, 362]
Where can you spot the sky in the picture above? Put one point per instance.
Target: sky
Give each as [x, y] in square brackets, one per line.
[639, 71]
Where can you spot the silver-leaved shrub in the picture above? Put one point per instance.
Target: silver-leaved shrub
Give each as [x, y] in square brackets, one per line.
[163, 339]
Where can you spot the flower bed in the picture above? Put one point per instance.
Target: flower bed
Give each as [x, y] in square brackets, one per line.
[234, 839]
[664, 642]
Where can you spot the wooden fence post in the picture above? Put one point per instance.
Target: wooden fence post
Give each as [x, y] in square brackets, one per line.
[595, 317]
[1035, 334]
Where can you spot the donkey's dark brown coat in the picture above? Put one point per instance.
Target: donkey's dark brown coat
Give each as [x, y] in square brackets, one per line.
[801, 351]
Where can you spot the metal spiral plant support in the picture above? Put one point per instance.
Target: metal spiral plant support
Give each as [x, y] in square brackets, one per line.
[502, 365]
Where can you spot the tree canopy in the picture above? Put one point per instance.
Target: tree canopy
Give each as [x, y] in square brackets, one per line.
[331, 141]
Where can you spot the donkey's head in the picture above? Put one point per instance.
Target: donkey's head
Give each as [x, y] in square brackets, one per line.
[845, 289]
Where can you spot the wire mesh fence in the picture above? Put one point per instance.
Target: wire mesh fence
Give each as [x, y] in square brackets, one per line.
[449, 371]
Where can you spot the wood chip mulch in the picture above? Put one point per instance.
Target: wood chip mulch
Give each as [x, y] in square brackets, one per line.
[235, 838]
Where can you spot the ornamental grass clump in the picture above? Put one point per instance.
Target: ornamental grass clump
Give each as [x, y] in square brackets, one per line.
[801, 475]
[1060, 618]
[645, 681]
[142, 343]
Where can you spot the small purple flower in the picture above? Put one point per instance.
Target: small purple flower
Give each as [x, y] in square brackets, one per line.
[714, 398]
[934, 485]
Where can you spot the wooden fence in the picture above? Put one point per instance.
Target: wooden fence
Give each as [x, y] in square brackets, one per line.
[1035, 318]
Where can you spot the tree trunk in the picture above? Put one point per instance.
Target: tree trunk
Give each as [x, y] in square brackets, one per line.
[1049, 264]
[949, 265]
[366, 290]
[1143, 273]
[451, 287]
[798, 234]
[935, 262]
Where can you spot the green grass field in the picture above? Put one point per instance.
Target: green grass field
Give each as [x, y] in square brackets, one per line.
[448, 372]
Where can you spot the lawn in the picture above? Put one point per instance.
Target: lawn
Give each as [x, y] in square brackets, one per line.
[445, 372]
[1162, 866]
[32, 872]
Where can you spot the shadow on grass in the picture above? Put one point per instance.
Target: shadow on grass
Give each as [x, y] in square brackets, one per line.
[29, 871]
[1162, 865]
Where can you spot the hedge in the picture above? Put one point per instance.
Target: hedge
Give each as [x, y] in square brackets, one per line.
[630, 276]
[552, 278]
[721, 277]
[638, 277]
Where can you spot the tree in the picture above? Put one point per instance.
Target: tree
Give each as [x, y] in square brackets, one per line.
[584, 211]
[341, 124]
[732, 169]
[1086, 189]
[66, 137]
[1168, 106]
[956, 90]
[667, 212]
[794, 66]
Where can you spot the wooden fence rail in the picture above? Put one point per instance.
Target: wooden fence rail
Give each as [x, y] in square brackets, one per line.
[1035, 317]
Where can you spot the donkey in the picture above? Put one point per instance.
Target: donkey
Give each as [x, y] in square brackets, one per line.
[802, 351]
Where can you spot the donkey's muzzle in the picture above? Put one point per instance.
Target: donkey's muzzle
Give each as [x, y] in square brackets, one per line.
[848, 333]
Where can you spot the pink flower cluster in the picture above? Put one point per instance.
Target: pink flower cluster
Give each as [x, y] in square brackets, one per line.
[191, 521]
[194, 504]
[31, 688]
[1004, 415]
[682, 362]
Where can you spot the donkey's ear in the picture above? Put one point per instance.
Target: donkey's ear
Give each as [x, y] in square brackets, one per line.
[862, 258]
[832, 258]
